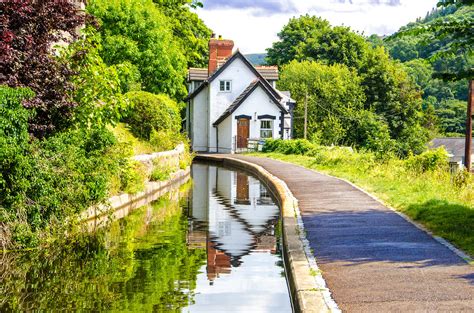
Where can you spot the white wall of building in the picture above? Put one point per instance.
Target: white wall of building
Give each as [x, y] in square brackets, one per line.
[241, 77]
[226, 135]
[199, 121]
[258, 103]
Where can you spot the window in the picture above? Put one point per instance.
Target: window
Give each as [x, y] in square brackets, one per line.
[266, 129]
[225, 85]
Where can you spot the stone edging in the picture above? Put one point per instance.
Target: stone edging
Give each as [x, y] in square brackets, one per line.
[307, 284]
[442, 241]
[153, 190]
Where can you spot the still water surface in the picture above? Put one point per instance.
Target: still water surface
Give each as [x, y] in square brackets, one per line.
[212, 247]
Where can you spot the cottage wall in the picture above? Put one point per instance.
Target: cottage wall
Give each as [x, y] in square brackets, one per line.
[258, 103]
[200, 121]
[241, 77]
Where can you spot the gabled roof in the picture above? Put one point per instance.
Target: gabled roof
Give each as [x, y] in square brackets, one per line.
[244, 95]
[454, 146]
[229, 61]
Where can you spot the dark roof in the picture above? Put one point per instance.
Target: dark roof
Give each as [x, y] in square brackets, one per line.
[454, 146]
[229, 61]
[197, 74]
[244, 95]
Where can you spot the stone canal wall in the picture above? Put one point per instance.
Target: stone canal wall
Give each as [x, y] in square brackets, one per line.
[307, 286]
[121, 205]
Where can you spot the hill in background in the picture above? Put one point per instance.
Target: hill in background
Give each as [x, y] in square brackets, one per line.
[257, 58]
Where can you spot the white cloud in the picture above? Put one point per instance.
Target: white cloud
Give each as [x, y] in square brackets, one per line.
[254, 25]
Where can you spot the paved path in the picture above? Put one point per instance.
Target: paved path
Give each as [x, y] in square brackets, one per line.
[372, 259]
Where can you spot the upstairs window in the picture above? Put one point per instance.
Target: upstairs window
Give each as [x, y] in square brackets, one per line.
[266, 129]
[225, 86]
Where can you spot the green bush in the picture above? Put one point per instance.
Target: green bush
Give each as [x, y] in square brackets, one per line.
[295, 146]
[428, 161]
[44, 183]
[151, 112]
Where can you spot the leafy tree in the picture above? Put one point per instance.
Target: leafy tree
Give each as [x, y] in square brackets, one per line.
[138, 34]
[333, 94]
[337, 45]
[452, 116]
[445, 33]
[97, 91]
[28, 30]
[293, 36]
[190, 31]
[391, 94]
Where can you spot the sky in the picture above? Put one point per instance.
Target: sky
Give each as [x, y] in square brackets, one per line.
[254, 24]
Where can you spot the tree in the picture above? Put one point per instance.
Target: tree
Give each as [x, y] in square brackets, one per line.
[293, 36]
[97, 87]
[136, 33]
[333, 95]
[191, 32]
[392, 95]
[28, 31]
[389, 91]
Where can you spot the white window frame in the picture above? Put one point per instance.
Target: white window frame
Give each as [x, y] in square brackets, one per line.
[264, 130]
[227, 84]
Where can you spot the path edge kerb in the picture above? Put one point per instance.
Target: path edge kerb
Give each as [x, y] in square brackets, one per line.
[307, 285]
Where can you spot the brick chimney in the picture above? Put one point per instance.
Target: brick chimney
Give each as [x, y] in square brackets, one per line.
[219, 50]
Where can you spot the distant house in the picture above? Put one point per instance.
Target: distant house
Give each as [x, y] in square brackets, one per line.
[455, 148]
[231, 102]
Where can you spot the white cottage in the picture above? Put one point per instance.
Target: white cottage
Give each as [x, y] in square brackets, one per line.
[232, 102]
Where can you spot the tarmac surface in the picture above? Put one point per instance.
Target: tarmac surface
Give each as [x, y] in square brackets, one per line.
[372, 259]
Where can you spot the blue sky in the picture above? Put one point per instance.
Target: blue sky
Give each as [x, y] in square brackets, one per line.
[254, 24]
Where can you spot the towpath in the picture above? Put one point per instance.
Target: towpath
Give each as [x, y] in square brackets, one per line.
[372, 259]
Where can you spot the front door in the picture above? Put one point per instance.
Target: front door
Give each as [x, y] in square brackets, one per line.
[242, 132]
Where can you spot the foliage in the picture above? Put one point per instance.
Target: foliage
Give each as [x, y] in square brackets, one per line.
[137, 35]
[152, 112]
[444, 36]
[160, 172]
[28, 30]
[333, 94]
[97, 92]
[391, 94]
[428, 161]
[296, 146]
[188, 29]
[123, 134]
[373, 82]
[45, 182]
[441, 202]
[293, 37]
[133, 177]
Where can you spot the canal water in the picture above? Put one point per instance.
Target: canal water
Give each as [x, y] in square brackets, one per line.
[210, 246]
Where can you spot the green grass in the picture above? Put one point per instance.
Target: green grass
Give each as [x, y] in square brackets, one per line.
[431, 198]
[124, 135]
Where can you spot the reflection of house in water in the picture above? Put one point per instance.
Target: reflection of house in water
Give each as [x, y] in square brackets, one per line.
[236, 211]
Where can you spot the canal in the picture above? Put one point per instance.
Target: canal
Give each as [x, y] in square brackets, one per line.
[210, 246]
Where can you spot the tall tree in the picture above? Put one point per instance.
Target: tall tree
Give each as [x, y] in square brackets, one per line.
[190, 31]
[28, 31]
[136, 34]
